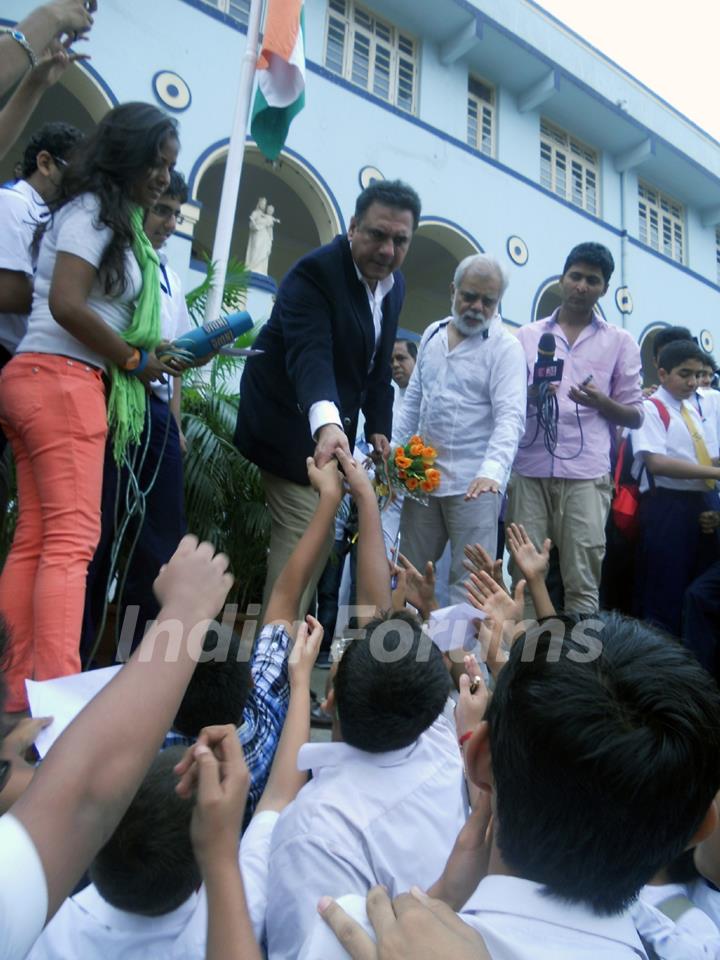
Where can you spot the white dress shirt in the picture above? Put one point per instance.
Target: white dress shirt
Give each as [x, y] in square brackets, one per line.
[23, 890]
[325, 411]
[363, 819]
[675, 442]
[692, 935]
[707, 404]
[22, 210]
[468, 403]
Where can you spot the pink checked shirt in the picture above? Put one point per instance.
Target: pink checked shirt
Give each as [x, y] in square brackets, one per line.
[613, 358]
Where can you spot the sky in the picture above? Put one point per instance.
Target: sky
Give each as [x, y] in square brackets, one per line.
[671, 47]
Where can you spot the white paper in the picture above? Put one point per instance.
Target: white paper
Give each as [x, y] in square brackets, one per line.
[63, 699]
[451, 628]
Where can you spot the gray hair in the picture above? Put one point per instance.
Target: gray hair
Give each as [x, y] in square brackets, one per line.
[485, 264]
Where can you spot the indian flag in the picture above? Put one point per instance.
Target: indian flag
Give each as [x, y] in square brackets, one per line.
[281, 76]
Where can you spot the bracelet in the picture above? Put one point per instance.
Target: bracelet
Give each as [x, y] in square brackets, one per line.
[19, 37]
[141, 364]
[465, 737]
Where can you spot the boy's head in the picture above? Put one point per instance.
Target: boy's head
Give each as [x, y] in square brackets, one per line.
[162, 220]
[391, 685]
[220, 685]
[667, 335]
[603, 750]
[680, 364]
[708, 371]
[147, 866]
[47, 155]
[594, 255]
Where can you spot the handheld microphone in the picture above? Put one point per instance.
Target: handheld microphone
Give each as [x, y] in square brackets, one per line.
[211, 336]
[547, 369]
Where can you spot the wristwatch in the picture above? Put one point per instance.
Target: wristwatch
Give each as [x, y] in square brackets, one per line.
[133, 362]
[19, 37]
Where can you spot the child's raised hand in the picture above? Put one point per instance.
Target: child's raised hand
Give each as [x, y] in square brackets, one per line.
[195, 581]
[356, 476]
[532, 563]
[305, 651]
[485, 594]
[420, 587]
[478, 559]
[326, 480]
[474, 697]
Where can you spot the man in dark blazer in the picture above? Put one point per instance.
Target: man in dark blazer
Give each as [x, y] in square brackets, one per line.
[326, 356]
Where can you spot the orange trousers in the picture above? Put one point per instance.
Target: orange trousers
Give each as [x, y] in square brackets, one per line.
[53, 412]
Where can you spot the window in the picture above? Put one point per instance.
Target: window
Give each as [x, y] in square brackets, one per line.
[569, 168]
[481, 116]
[662, 222]
[371, 53]
[236, 9]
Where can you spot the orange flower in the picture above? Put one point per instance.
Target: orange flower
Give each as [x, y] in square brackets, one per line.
[416, 439]
[427, 486]
[402, 474]
[433, 475]
[403, 462]
[429, 453]
[411, 483]
[417, 450]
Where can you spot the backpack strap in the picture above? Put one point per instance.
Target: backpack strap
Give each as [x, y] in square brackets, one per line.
[662, 411]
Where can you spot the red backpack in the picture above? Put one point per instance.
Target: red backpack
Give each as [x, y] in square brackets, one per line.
[625, 506]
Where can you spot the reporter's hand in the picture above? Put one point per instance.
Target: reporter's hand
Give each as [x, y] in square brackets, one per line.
[330, 439]
[195, 579]
[532, 563]
[305, 651]
[588, 395]
[23, 735]
[326, 480]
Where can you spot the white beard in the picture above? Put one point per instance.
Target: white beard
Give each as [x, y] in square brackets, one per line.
[467, 329]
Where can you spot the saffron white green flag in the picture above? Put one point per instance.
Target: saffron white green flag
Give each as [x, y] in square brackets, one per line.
[281, 76]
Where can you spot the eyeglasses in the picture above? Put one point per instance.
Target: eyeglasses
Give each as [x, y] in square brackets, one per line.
[165, 213]
[59, 162]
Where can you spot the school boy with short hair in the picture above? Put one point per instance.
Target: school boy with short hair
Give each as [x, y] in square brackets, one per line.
[677, 476]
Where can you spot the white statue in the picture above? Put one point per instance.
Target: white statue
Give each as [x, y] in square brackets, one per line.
[260, 240]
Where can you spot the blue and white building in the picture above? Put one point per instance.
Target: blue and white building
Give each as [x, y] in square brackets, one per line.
[521, 138]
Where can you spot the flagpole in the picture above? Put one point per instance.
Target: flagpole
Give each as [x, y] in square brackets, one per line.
[234, 164]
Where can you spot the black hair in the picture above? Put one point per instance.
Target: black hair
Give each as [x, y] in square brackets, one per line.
[220, 684]
[677, 352]
[667, 335]
[178, 188]
[606, 756]
[56, 138]
[148, 866]
[683, 869]
[123, 148]
[390, 193]
[593, 253]
[410, 346]
[709, 361]
[391, 684]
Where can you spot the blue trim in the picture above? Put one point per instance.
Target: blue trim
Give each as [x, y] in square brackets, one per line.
[673, 263]
[404, 334]
[655, 325]
[286, 151]
[259, 281]
[217, 15]
[160, 99]
[538, 295]
[430, 219]
[101, 82]
[376, 101]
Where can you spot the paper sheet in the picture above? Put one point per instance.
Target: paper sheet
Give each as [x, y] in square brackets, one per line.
[451, 628]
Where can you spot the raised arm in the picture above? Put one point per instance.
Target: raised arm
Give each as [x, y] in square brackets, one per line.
[86, 782]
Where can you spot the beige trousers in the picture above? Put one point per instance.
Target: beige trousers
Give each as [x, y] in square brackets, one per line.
[292, 507]
[573, 514]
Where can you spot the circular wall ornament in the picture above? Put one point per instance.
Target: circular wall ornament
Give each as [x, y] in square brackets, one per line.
[707, 341]
[172, 91]
[369, 175]
[624, 300]
[517, 251]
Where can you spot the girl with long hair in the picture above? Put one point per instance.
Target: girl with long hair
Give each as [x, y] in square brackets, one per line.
[86, 361]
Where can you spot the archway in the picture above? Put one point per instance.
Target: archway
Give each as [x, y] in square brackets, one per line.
[437, 248]
[308, 213]
[81, 98]
[647, 358]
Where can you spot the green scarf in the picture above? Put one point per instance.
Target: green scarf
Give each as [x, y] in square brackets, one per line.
[128, 396]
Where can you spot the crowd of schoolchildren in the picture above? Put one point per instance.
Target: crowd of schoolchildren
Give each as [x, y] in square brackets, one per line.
[551, 792]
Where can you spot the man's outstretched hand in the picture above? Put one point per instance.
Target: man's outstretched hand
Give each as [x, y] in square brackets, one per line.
[330, 439]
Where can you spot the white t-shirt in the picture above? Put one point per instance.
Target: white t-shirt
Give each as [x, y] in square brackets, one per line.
[86, 927]
[23, 890]
[75, 229]
[22, 209]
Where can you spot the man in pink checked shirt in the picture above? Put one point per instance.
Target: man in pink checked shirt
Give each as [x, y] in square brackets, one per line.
[566, 495]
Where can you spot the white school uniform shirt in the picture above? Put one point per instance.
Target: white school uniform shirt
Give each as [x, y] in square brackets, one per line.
[364, 818]
[707, 404]
[86, 927]
[676, 442]
[468, 403]
[693, 935]
[174, 317]
[22, 210]
[23, 890]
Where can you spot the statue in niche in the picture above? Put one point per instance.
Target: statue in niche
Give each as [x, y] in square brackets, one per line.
[260, 240]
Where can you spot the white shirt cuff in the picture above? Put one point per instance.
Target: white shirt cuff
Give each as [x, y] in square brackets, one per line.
[493, 471]
[322, 413]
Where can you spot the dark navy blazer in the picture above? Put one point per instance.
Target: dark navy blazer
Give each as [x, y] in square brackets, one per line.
[318, 345]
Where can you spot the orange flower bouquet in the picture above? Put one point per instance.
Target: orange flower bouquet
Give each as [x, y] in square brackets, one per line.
[410, 471]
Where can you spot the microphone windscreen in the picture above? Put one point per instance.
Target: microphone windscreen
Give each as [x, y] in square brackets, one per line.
[546, 346]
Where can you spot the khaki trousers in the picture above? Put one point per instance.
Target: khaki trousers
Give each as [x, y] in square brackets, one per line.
[573, 513]
[292, 507]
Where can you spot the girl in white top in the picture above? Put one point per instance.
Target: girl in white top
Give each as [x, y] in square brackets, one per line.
[94, 292]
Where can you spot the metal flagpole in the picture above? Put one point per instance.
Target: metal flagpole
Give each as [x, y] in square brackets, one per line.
[233, 164]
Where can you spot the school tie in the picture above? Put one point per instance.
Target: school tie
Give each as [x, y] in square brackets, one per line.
[701, 451]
